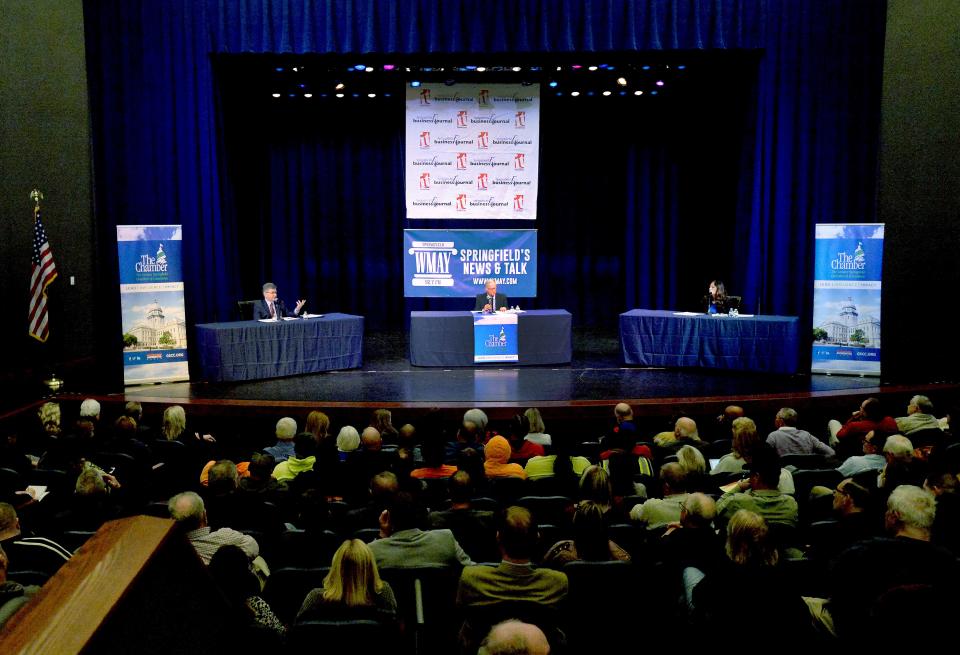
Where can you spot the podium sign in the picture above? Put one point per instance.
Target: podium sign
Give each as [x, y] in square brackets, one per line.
[495, 338]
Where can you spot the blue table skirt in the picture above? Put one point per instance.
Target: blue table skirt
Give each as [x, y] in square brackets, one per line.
[756, 343]
[446, 338]
[250, 350]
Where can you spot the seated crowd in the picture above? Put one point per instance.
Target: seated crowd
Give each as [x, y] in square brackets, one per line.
[819, 534]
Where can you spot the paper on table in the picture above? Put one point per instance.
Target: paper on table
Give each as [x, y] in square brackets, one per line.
[687, 313]
[311, 315]
[267, 320]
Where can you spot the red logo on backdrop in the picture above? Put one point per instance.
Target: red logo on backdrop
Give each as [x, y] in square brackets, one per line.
[424, 180]
[483, 140]
[462, 202]
[518, 202]
[425, 97]
[484, 97]
[518, 161]
[520, 119]
[482, 181]
[424, 139]
[462, 118]
[461, 161]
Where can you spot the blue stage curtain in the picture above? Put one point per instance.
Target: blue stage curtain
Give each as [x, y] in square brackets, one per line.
[808, 155]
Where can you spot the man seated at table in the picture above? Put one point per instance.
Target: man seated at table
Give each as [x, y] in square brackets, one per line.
[273, 307]
[490, 300]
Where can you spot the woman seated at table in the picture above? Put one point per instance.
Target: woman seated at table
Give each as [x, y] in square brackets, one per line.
[716, 300]
[352, 590]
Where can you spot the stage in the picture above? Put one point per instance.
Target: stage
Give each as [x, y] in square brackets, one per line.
[596, 376]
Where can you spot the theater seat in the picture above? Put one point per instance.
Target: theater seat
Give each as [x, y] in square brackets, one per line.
[358, 636]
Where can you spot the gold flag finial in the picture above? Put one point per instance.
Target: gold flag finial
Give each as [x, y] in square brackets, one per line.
[36, 196]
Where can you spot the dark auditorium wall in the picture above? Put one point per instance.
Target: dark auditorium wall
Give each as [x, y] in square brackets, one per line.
[919, 195]
[44, 143]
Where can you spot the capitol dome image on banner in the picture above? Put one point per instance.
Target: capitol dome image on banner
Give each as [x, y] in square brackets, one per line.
[152, 311]
[846, 298]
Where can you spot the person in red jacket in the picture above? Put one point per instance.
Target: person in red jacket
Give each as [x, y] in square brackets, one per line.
[847, 439]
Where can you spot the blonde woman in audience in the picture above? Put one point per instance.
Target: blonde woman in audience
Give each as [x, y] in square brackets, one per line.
[318, 424]
[746, 441]
[537, 431]
[352, 590]
[175, 426]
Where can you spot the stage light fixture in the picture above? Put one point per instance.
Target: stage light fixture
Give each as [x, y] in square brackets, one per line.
[307, 95]
[368, 69]
[659, 82]
[575, 67]
[387, 95]
[275, 95]
[388, 67]
[646, 67]
[590, 93]
[355, 95]
[553, 85]
[481, 69]
[575, 93]
[302, 86]
[559, 68]
[623, 93]
[653, 93]
[339, 95]
[591, 68]
[681, 67]
[470, 68]
[360, 67]
[638, 92]
[279, 69]
[291, 95]
[535, 69]
[340, 86]
[517, 69]
[606, 93]
[415, 84]
[296, 69]
[622, 81]
[371, 95]
[559, 93]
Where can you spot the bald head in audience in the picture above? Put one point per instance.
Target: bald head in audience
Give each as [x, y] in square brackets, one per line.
[514, 637]
[370, 439]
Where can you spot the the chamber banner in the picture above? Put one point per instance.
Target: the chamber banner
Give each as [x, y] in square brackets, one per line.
[457, 263]
[472, 151]
[846, 298]
[151, 304]
[495, 338]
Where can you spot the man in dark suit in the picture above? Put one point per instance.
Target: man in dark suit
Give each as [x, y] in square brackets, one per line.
[490, 300]
[273, 307]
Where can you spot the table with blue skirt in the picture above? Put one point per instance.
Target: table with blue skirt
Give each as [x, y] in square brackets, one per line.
[446, 338]
[748, 343]
[254, 350]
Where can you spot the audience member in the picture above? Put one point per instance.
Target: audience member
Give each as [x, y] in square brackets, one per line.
[382, 422]
[497, 463]
[404, 544]
[29, 553]
[433, 468]
[522, 449]
[348, 440]
[300, 461]
[590, 540]
[285, 431]
[870, 417]
[788, 439]
[623, 436]
[872, 458]
[760, 493]
[188, 510]
[13, 595]
[536, 430]
[691, 542]
[473, 528]
[352, 590]
[470, 435]
[513, 637]
[230, 570]
[318, 424]
[383, 487]
[658, 513]
[919, 417]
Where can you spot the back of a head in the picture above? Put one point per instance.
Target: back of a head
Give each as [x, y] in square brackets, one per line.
[383, 486]
[304, 445]
[497, 450]
[872, 409]
[370, 439]
[89, 408]
[476, 416]
[223, 477]
[261, 466]
[90, 484]
[230, 569]
[174, 421]
[517, 533]
[745, 437]
[701, 509]
[318, 424]
[535, 420]
[433, 451]
[460, 487]
[595, 485]
[134, 410]
[49, 413]
[514, 637]
[924, 404]
[125, 427]
[765, 464]
[286, 428]
[8, 517]
[623, 411]
[789, 416]
[898, 447]
[353, 579]
[405, 512]
[691, 459]
[470, 432]
[348, 439]
[674, 475]
[913, 507]
[686, 428]
[187, 510]
[590, 532]
[748, 540]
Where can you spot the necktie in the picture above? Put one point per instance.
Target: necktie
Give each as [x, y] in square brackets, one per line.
[273, 311]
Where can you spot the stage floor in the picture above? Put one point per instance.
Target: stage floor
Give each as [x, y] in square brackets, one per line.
[596, 375]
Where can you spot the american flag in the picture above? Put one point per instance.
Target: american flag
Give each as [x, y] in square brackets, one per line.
[44, 272]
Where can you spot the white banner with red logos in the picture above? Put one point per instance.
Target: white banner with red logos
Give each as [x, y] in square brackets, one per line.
[472, 151]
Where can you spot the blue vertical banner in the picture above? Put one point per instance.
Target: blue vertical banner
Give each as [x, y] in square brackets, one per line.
[151, 304]
[495, 338]
[846, 298]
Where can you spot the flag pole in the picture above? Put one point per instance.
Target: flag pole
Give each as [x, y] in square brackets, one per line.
[53, 383]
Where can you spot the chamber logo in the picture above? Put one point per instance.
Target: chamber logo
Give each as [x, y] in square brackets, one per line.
[496, 340]
[845, 261]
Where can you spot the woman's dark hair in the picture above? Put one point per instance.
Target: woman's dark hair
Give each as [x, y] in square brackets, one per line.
[721, 290]
[622, 466]
[590, 532]
[230, 570]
